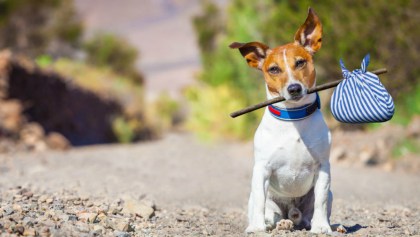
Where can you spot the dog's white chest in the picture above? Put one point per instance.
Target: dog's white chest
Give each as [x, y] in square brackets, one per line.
[292, 151]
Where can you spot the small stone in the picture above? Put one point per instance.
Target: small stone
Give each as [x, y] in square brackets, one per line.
[101, 217]
[141, 208]
[368, 156]
[30, 232]
[119, 224]
[42, 198]
[17, 208]
[82, 227]
[28, 221]
[57, 205]
[19, 229]
[115, 210]
[338, 154]
[8, 210]
[72, 217]
[121, 234]
[102, 207]
[56, 141]
[98, 230]
[87, 217]
[49, 200]
[63, 217]
[28, 194]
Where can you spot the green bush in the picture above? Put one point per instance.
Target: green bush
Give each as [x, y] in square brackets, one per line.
[108, 50]
[123, 130]
[210, 108]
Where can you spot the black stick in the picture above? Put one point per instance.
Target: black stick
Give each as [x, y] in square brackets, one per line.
[280, 98]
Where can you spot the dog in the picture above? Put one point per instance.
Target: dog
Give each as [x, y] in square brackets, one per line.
[291, 174]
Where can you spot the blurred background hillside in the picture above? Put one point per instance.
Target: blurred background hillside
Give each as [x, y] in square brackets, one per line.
[148, 67]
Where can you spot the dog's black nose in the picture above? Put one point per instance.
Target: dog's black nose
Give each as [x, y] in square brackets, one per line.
[294, 89]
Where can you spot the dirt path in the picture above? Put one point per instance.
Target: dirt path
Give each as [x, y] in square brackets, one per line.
[200, 189]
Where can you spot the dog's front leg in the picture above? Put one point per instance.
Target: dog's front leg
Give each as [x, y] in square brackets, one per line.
[260, 179]
[320, 221]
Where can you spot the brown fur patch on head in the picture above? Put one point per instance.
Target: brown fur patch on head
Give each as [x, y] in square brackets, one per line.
[305, 74]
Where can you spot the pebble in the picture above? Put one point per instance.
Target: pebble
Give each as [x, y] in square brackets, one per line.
[49, 200]
[121, 234]
[82, 227]
[8, 210]
[87, 217]
[141, 208]
[57, 205]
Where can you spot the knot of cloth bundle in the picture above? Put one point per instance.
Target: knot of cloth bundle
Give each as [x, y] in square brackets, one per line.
[361, 97]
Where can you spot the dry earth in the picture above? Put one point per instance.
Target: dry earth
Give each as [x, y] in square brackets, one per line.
[178, 187]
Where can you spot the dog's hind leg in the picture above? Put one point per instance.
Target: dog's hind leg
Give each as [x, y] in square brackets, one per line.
[273, 214]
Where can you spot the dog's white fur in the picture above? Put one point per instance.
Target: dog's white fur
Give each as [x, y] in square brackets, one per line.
[291, 174]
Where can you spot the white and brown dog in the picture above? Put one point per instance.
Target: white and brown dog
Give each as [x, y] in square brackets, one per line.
[291, 175]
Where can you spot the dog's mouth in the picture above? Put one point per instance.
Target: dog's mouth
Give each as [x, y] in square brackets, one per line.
[296, 97]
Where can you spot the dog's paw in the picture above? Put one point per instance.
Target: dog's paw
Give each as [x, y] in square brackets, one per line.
[255, 229]
[285, 224]
[321, 228]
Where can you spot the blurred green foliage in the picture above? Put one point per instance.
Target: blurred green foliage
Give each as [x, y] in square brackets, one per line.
[406, 146]
[123, 130]
[388, 30]
[39, 27]
[108, 50]
[165, 111]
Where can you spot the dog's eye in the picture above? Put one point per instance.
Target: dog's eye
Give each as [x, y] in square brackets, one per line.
[274, 70]
[300, 63]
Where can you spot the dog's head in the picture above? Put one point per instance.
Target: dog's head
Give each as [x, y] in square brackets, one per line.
[288, 69]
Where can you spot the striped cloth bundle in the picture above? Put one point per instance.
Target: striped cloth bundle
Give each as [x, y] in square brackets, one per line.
[361, 97]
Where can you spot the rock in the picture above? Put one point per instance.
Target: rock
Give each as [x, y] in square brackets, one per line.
[82, 227]
[49, 200]
[72, 217]
[338, 154]
[98, 230]
[87, 217]
[142, 208]
[30, 232]
[11, 118]
[101, 217]
[56, 141]
[32, 134]
[121, 234]
[57, 205]
[369, 156]
[8, 210]
[27, 194]
[115, 210]
[42, 198]
[18, 229]
[120, 224]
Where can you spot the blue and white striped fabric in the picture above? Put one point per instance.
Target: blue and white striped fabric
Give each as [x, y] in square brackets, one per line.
[361, 97]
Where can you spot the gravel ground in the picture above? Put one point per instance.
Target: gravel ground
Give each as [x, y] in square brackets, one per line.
[178, 187]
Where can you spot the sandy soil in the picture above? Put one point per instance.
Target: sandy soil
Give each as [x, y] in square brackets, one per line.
[198, 190]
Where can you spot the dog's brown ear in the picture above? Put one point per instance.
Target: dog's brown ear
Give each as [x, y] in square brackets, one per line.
[253, 52]
[309, 35]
